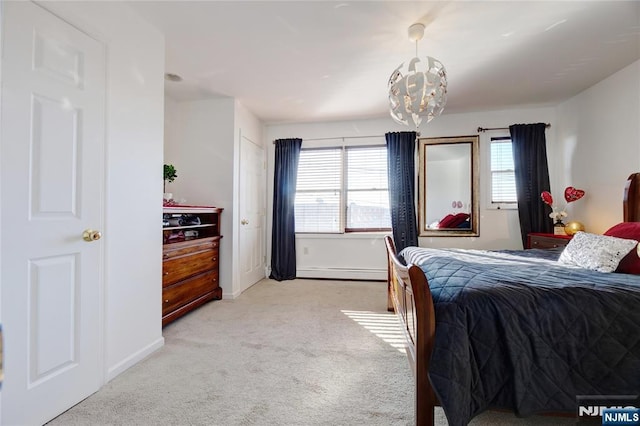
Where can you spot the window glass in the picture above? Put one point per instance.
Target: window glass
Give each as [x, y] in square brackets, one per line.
[367, 203]
[318, 190]
[342, 190]
[503, 180]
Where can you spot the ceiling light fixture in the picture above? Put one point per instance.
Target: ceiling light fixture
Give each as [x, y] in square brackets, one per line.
[417, 94]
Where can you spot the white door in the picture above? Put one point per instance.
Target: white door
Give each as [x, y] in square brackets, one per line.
[51, 187]
[252, 213]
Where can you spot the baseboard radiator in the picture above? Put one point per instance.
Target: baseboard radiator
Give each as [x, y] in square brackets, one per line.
[343, 273]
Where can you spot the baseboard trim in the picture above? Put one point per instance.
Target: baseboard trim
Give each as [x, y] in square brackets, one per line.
[343, 273]
[134, 358]
[231, 296]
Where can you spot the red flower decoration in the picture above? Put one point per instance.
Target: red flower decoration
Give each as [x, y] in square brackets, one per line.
[547, 198]
[573, 194]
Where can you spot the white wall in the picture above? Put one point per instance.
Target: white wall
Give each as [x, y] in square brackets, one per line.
[599, 140]
[201, 147]
[134, 134]
[202, 140]
[593, 144]
[363, 256]
[172, 141]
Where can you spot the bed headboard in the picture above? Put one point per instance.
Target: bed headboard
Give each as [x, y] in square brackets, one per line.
[631, 200]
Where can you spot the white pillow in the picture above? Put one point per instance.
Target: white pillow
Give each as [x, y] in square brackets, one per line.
[596, 252]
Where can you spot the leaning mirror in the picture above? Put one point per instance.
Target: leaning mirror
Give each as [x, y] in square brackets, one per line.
[448, 179]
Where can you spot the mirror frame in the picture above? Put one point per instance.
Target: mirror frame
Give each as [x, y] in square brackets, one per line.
[475, 187]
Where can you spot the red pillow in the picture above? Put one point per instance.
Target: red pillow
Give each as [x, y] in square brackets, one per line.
[452, 221]
[446, 221]
[630, 264]
[459, 218]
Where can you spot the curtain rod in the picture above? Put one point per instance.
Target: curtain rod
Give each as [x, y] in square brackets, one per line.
[484, 129]
[340, 137]
[346, 137]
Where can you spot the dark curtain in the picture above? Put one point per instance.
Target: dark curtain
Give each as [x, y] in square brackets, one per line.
[283, 238]
[532, 177]
[401, 147]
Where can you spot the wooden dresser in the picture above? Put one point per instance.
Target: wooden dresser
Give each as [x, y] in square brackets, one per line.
[546, 241]
[190, 263]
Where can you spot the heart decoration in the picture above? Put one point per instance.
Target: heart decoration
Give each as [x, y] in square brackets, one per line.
[547, 198]
[572, 194]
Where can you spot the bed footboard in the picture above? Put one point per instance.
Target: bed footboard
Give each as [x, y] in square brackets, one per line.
[409, 296]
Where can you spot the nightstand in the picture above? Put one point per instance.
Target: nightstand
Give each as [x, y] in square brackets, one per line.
[536, 240]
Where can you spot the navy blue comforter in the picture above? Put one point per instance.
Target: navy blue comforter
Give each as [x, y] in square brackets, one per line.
[516, 330]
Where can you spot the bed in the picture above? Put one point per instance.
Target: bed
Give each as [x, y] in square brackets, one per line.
[517, 330]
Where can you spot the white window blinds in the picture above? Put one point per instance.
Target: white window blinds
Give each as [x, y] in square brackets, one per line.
[503, 181]
[367, 189]
[319, 190]
[342, 189]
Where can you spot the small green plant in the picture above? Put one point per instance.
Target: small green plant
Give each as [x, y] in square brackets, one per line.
[169, 175]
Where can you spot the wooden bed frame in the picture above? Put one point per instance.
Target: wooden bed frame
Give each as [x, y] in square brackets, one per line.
[410, 298]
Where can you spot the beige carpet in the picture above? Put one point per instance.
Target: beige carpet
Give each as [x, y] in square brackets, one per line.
[301, 352]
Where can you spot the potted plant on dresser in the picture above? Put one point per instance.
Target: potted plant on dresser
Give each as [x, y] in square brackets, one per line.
[169, 176]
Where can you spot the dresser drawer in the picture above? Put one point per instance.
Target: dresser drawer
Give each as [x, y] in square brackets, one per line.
[187, 247]
[179, 268]
[544, 242]
[184, 292]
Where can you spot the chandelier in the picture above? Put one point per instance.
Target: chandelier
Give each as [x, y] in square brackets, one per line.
[414, 93]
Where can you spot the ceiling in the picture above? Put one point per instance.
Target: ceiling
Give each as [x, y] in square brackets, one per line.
[308, 61]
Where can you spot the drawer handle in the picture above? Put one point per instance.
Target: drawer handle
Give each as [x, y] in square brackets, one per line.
[166, 255]
[214, 259]
[166, 301]
[166, 273]
[215, 279]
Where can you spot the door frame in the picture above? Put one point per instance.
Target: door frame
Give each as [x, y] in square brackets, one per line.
[238, 286]
[2, 6]
[264, 204]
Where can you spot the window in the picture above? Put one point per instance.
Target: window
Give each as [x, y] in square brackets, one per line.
[319, 190]
[503, 179]
[342, 189]
[367, 189]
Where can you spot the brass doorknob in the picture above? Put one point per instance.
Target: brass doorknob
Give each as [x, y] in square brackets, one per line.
[91, 235]
[244, 222]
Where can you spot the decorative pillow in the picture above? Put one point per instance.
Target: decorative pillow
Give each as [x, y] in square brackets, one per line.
[452, 221]
[446, 221]
[630, 264]
[458, 219]
[596, 252]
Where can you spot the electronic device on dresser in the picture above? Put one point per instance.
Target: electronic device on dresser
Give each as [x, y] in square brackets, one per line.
[190, 259]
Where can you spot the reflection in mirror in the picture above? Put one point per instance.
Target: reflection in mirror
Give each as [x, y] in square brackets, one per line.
[448, 186]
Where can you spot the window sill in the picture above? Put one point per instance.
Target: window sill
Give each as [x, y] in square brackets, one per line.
[348, 235]
[502, 206]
